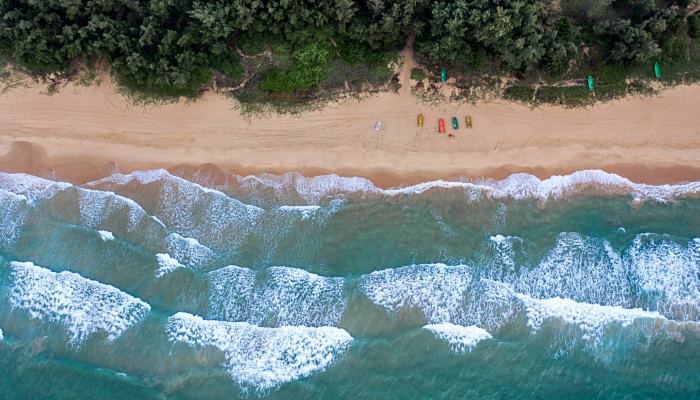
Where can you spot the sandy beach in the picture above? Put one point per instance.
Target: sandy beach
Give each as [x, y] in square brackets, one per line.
[80, 132]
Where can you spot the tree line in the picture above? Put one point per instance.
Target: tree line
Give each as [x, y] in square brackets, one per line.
[176, 45]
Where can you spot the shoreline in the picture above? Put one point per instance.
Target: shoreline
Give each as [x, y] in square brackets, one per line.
[80, 133]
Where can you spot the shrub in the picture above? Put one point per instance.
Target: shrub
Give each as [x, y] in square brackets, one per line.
[417, 74]
[570, 96]
[308, 69]
[611, 91]
[523, 94]
[253, 43]
[694, 26]
[610, 74]
[675, 50]
[229, 65]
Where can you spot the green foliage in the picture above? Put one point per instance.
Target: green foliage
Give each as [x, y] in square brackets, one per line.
[520, 34]
[356, 52]
[570, 96]
[694, 26]
[611, 91]
[171, 47]
[675, 50]
[254, 43]
[229, 65]
[417, 74]
[153, 88]
[524, 94]
[610, 74]
[309, 68]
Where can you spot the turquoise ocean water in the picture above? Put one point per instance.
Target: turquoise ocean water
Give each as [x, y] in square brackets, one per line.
[151, 286]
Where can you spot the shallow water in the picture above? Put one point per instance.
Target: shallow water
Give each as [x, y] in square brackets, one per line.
[148, 285]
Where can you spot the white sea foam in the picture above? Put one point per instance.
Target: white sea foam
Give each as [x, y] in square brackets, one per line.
[106, 235]
[503, 265]
[263, 358]
[443, 293]
[592, 319]
[517, 186]
[528, 186]
[670, 272]
[275, 297]
[580, 268]
[166, 264]
[97, 206]
[310, 189]
[31, 187]
[460, 338]
[189, 251]
[231, 292]
[1, 336]
[13, 213]
[306, 212]
[83, 306]
[436, 289]
[190, 209]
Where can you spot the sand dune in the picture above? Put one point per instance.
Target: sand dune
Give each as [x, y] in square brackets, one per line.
[80, 129]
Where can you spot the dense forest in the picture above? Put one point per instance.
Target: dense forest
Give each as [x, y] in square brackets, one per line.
[292, 47]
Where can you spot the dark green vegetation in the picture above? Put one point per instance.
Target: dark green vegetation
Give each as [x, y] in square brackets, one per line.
[297, 49]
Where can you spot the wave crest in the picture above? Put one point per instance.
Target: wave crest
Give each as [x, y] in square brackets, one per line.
[83, 306]
[262, 358]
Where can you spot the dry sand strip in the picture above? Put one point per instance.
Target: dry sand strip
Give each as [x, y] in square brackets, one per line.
[80, 129]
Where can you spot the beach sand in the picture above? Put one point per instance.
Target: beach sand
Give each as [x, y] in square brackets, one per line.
[84, 132]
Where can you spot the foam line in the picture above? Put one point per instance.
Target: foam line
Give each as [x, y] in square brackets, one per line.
[13, 214]
[262, 358]
[166, 264]
[106, 235]
[460, 338]
[83, 306]
[192, 210]
[276, 296]
[437, 289]
[516, 186]
[590, 318]
[31, 187]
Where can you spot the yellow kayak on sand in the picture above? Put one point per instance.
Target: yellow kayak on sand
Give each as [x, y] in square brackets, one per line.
[420, 120]
[469, 121]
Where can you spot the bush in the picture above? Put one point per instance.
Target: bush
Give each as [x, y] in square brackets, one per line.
[354, 52]
[417, 74]
[675, 50]
[308, 69]
[694, 26]
[570, 96]
[611, 91]
[229, 65]
[152, 87]
[610, 74]
[253, 43]
[523, 94]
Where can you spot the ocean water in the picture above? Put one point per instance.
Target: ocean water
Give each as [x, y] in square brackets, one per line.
[149, 286]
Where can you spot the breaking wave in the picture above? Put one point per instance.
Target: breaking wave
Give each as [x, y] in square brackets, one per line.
[460, 338]
[262, 358]
[82, 306]
[277, 296]
[295, 187]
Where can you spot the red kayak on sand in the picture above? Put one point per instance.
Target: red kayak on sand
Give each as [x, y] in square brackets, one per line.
[442, 125]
